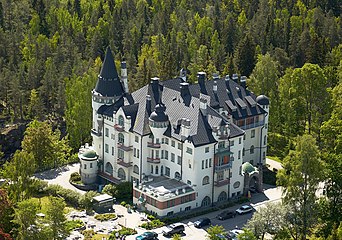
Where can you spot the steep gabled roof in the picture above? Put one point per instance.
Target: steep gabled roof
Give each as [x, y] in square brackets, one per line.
[108, 83]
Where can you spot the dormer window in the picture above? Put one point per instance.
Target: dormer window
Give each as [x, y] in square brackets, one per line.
[121, 121]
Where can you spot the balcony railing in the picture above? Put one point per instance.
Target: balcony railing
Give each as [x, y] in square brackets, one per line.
[125, 148]
[119, 128]
[109, 177]
[153, 160]
[153, 145]
[252, 125]
[223, 150]
[96, 133]
[121, 162]
[224, 166]
[221, 183]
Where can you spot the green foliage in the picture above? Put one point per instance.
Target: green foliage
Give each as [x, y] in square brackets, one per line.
[86, 200]
[176, 237]
[123, 231]
[75, 177]
[247, 235]
[56, 218]
[88, 234]
[19, 174]
[213, 231]
[70, 196]
[278, 145]
[155, 223]
[73, 224]
[6, 212]
[124, 191]
[111, 190]
[123, 203]
[105, 216]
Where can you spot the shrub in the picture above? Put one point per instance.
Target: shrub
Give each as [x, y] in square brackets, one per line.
[123, 231]
[88, 234]
[75, 177]
[156, 223]
[110, 189]
[73, 224]
[123, 203]
[150, 217]
[70, 196]
[105, 216]
[125, 191]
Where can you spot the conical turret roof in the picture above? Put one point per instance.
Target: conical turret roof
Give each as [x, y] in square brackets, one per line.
[108, 83]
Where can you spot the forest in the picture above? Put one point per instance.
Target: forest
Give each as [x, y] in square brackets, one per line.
[51, 52]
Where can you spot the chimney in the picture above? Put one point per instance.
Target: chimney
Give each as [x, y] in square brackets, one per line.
[235, 77]
[183, 74]
[185, 128]
[204, 106]
[155, 88]
[124, 76]
[243, 81]
[184, 89]
[148, 104]
[201, 78]
[215, 87]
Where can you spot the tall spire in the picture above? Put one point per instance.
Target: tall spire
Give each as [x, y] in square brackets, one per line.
[108, 83]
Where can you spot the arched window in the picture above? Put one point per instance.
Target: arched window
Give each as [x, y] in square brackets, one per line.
[206, 201]
[121, 174]
[222, 197]
[121, 120]
[251, 150]
[136, 169]
[109, 168]
[121, 138]
[205, 180]
[157, 170]
[177, 175]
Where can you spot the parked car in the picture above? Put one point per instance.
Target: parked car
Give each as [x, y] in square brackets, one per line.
[176, 228]
[202, 222]
[244, 209]
[147, 236]
[225, 215]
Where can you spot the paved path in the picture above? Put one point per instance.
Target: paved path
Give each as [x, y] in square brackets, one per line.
[60, 176]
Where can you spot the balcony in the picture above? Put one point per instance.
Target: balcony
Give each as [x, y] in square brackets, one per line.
[224, 166]
[119, 128]
[121, 162]
[125, 148]
[153, 145]
[223, 150]
[221, 183]
[96, 133]
[109, 177]
[252, 125]
[153, 160]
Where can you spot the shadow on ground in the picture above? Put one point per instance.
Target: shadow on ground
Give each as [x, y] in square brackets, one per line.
[51, 174]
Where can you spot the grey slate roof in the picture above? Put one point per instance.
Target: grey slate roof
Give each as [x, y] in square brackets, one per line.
[230, 96]
[108, 83]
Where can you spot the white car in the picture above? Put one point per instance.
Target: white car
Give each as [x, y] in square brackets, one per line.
[244, 209]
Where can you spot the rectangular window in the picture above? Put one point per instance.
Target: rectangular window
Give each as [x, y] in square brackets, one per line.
[179, 160]
[206, 163]
[172, 157]
[136, 139]
[232, 143]
[173, 143]
[85, 166]
[107, 132]
[167, 141]
[137, 153]
[209, 162]
[112, 136]
[162, 154]
[253, 133]
[239, 154]
[167, 171]
[179, 146]
[202, 164]
[240, 140]
[121, 154]
[244, 137]
[166, 155]
[91, 165]
[163, 140]
[221, 145]
[189, 150]
[157, 140]
[134, 152]
[157, 153]
[106, 148]
[206, 150]
[220, 176]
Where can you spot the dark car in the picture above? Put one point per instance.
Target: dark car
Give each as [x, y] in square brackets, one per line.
[225, 215]
[202, 222]
[176, 228]
[147, 236]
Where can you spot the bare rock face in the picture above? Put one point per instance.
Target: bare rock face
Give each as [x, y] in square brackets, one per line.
[10, 139]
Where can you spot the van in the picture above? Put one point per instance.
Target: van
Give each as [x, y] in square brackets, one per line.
[176, 228]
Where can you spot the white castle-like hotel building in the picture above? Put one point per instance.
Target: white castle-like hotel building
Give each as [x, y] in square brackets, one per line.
[182, 145]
